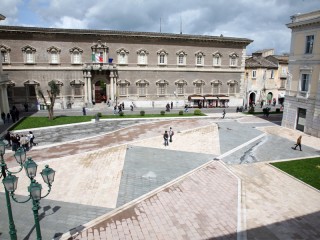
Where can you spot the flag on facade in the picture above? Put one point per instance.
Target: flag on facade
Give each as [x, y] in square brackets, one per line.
[97, 57]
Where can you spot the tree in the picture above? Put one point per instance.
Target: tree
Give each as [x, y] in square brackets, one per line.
[52, 94]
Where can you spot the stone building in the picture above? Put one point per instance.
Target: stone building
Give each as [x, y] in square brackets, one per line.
[302, 105]
[266, 77]
[148, 69]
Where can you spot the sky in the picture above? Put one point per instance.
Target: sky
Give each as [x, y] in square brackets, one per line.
[263, 21]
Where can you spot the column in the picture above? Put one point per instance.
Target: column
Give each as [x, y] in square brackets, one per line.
[112, 87]
[89, 90]
[5, 96]
[85, 90]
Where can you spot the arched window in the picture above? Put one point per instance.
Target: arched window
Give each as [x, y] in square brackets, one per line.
[233, 59]
[216, 86]
[198, 86]
[232, 87]
[162, 87]
[122, 56]
[217, 59]
[29, 54]
[181, 58]
[199, 58]
[76, 55]
[162, 57]
[123, 86]
[142, 57]
[54, 55]
[142, 87]
[180, 86]
[5, 54]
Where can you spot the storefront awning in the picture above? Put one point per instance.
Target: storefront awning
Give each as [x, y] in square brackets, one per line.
[197, 98]
[223, 98]
[211, 98]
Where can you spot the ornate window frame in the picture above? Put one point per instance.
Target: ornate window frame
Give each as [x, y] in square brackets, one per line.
[5, 54]
[180, 89]
[76, 55]
[162, 87]
[232, 84]
[60, 84]
[199, 59]
[181, 58]
[162, 57]
[99, 52]
[122, 54]
[77, 84]
[216, 59]
[142, 57]
[29, 54]
[54, 55]
[123, 86]
[198, 86]
[142, 87]
[216, 83]
[233, 59]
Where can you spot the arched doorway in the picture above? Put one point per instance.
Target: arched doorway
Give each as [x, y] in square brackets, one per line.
[100, 91]
[269, 97]
[252, 98]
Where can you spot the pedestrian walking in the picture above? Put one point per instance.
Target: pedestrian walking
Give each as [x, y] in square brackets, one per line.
[8, 117]
[3, 117]
[298, 143]
[186, 108]
[223, 113]
[171, 104]
[171, 133]
[84, 112]
[26, 107]
[115, 109]
[165, 137]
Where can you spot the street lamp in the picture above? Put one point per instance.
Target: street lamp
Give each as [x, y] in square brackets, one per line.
[34, 188]
[20, 157]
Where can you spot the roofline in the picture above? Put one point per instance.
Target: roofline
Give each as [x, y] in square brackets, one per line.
[95, 32]
[2, 17]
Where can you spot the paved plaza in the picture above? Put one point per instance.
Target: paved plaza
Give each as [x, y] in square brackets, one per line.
[116, 180]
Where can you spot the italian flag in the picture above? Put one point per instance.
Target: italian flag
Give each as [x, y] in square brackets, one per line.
[96, 57]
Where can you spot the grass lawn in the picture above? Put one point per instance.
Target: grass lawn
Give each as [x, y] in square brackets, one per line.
[306, 170]
[36, 122]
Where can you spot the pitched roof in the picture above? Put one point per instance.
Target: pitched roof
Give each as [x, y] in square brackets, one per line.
[257, 61]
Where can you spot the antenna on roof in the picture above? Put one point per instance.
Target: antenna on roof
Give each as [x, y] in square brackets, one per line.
[180, 25]
[160, 24]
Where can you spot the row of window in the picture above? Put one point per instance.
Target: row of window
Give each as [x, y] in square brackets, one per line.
[100, 55]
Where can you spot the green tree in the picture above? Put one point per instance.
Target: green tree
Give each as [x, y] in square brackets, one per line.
[52, 95]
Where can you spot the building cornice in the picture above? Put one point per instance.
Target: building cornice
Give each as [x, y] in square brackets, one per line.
[124, 34]
[308, 22]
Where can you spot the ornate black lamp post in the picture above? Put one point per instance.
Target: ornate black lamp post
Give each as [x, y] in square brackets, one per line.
[20, 157]
[34, 188]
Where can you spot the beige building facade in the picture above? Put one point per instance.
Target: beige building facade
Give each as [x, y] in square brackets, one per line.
[302, 106]
[266, 77]
[148, 69]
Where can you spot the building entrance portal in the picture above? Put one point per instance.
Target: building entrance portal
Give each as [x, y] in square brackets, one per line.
[252, 98]
[100, 92]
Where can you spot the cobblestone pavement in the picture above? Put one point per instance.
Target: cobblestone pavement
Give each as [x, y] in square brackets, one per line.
[124, 184]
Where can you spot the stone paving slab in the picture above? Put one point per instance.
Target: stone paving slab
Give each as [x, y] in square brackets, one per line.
[277, 205]
[176, 212]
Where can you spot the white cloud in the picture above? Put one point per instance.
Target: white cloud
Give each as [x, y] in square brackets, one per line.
[260, 20]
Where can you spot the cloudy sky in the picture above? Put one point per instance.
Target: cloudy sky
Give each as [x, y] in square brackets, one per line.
[260, 20]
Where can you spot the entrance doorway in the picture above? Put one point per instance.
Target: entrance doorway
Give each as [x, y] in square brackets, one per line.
[252, 98]
[301, 120]
[100, 91]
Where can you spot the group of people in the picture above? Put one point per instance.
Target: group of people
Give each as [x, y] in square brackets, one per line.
[167, 136]
[169, 106]
[24, 140]
[118, 109]
[12, 116]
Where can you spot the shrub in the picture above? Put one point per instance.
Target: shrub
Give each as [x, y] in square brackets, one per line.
[277, 110]
[181, 112]
[251, 109]
[162, 112]
[99, 114]
[121, 113]
[197, 112]
[142, 113]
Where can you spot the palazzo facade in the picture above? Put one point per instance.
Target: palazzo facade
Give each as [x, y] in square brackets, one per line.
[148, 69]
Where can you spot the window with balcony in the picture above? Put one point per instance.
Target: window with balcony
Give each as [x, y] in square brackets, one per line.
[77, 88]
[309, 44]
